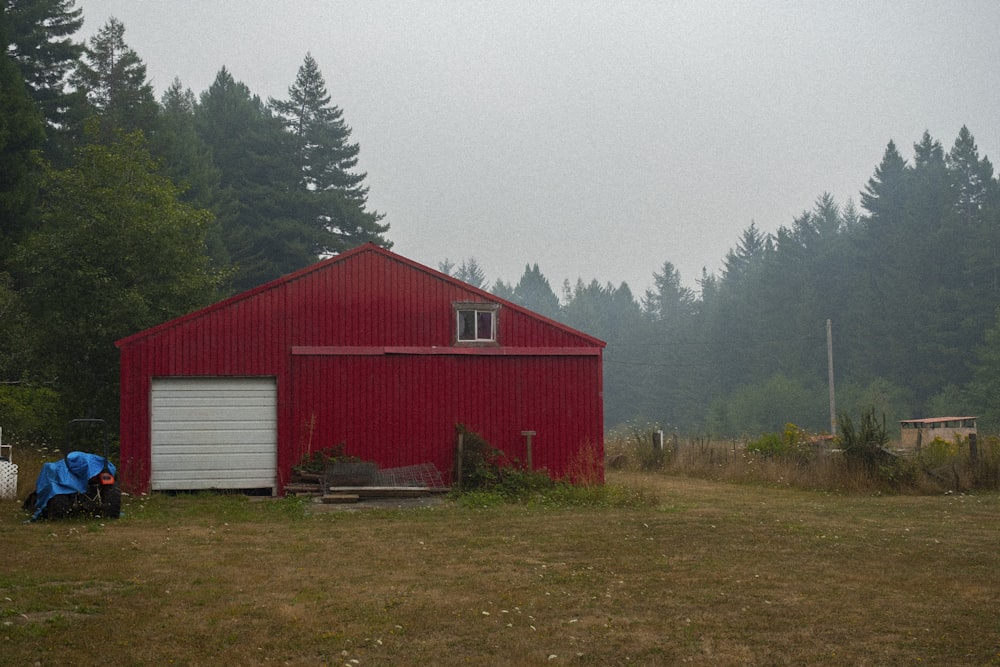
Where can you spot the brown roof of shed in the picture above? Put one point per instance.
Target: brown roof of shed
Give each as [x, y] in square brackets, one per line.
[933, 420]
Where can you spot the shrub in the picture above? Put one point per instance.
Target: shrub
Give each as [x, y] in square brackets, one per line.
[866, 448]
[481, 462]
[793, 444]
[321, 459]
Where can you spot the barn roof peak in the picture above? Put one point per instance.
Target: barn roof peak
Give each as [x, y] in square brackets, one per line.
[347, 256]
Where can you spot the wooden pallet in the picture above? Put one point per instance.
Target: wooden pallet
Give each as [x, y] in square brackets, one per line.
[387, 491]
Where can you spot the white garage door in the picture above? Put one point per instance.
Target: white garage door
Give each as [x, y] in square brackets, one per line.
[214, 433]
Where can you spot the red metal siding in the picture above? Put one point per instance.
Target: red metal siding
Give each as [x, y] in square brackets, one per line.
[401, 409]
[396, 398]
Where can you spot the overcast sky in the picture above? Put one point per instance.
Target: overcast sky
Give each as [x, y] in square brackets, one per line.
[599, 139]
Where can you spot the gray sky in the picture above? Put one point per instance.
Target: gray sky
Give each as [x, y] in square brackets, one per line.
[599, 139]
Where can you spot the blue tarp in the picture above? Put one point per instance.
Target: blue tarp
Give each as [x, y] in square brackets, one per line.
[67, 476]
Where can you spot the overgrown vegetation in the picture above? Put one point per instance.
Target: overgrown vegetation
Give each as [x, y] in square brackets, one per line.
[862, 460]
[489, 478]
[319, 461]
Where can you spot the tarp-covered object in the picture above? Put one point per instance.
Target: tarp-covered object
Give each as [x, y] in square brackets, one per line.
[69, 476]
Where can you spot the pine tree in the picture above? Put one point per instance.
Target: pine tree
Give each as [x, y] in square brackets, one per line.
[670, 301]
[327, 158]
[187, 160]
[41, 43]
[972, 177]
[21, 135]
[534, 292]
[264, 214]
[753, 246]
[114, 79]
[884, 194]
[471, 273]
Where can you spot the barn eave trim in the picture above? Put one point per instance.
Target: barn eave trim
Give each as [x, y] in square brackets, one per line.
[355, 351]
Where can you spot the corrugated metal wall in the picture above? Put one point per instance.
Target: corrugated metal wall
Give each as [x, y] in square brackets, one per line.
[400, 407]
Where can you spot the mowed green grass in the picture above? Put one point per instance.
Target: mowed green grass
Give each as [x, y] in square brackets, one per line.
[705, 573]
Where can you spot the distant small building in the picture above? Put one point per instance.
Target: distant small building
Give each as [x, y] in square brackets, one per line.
[915, 433]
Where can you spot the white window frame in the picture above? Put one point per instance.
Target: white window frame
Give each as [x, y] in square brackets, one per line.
[481, 334]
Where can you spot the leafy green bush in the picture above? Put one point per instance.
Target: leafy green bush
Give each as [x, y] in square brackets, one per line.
[938, 453]
[31, 415]
[792, 444]
[482, 463]
[319, 460]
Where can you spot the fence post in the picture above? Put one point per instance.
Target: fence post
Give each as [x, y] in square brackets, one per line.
[458, 461]
[528, 435]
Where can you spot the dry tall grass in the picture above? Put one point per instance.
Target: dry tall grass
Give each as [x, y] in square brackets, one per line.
[822, 467]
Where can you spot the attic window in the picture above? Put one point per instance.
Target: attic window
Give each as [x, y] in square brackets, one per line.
[476, 323]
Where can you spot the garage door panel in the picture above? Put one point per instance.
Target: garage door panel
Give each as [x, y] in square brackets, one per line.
[227, 449]
[192, 462]
[214, 413]
[231, 428]
[213, 433]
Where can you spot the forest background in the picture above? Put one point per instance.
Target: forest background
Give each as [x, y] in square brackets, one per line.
[121, 211]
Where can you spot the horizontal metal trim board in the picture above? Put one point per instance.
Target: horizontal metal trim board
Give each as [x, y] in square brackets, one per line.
[323, 351]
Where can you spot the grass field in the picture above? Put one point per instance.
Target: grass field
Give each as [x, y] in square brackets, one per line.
[694, 572]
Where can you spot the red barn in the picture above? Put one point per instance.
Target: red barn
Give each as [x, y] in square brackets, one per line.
[366, 349]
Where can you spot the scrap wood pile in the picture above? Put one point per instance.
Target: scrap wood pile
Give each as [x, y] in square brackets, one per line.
[354, 481]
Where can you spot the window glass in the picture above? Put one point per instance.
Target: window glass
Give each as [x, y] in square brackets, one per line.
[484, 325]
[467, 325]
[476, 323]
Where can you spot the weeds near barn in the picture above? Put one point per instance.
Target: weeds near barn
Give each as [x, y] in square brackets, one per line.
[799, 459]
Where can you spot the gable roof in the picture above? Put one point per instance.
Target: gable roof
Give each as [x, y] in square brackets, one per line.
[346, 257]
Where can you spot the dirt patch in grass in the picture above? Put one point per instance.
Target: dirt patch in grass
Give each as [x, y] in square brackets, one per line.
[712, 574]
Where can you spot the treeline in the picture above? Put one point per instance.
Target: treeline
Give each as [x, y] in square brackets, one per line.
[121, 211]
[911, 284]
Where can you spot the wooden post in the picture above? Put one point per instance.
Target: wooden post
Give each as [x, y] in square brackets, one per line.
[528, 435]
[973, 449]
[829, 373]
[458, 462]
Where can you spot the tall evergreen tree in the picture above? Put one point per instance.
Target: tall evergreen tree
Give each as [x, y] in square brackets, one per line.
[984, 386]
[670, 301]
[470, 272]
[972, 177]
[748, 254]
[534, 292]
[41, 42]
[885, 192]
[21, 136]
[187, 160]
[502, 289]
[114, 80]
[265, 216]
[327, 160]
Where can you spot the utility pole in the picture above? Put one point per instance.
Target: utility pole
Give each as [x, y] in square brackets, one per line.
[829, 372]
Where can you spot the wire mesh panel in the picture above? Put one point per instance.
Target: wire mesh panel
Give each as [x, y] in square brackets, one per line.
[8, 480]
[425, 475]
[350, 473]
